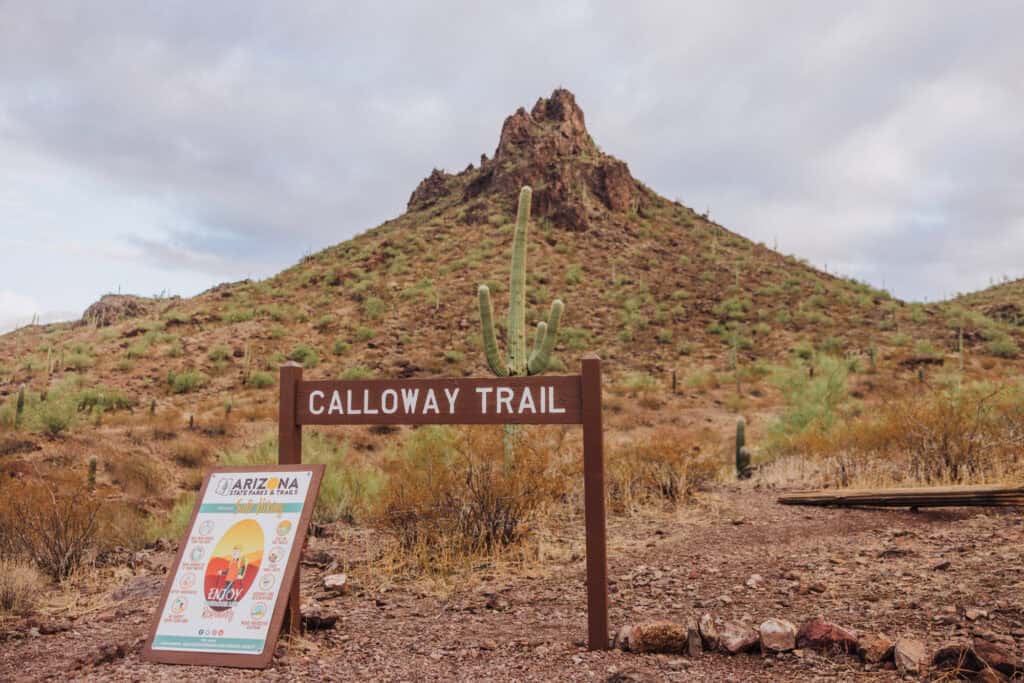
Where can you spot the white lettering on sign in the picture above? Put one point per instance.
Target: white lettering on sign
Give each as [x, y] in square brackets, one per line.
[313, 396]
[506, 401]
[483, 391]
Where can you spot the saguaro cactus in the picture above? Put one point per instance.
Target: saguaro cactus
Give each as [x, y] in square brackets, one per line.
[518, 362]
[19, 406]
[742, 454]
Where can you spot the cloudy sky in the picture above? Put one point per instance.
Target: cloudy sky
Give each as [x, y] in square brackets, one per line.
[166, 147]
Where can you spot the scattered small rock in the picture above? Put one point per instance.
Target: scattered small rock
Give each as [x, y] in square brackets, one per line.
[908, 654]
[107, 653]
[659, 636]
[755, 581]
[708, 631]
[973, 613]
[777, 635]
[999, 657]
[316, 618]
[621, 641]
[694, 643]
[874, 648]
[736, 637]
[335, 583]
[818, 634]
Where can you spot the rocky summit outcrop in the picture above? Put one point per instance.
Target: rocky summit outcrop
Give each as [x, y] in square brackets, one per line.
[548, 148]
[114, 307]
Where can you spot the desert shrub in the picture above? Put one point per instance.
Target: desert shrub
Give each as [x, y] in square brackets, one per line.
[1003, 347]
[324, 323]
[50, 523]
[356, 372]
[657, 468]
[972, 434]
[812, 395]
[452, 493]
[101, 397]
[219, 354]
[79, 361]
[574, 274]
[260, 380]
[185, 382]
[340, 347]
[190, 454]
[374, 308]
[137, 474]
[55, 415]
[305, 354]
[453, 356]
[175, 523]
[20, 586]
[664, 336]
[174, 349]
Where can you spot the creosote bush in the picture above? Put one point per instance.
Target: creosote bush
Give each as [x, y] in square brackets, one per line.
[52, 524]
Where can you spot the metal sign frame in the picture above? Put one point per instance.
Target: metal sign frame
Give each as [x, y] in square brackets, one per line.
[281, 604]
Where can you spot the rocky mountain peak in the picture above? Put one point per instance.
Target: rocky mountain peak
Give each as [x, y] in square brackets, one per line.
[548, 148]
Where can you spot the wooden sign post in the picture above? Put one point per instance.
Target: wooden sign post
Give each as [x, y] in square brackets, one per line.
[540, 399]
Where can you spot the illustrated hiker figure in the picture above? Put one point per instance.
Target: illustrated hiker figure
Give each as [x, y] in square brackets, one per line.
[235, 571]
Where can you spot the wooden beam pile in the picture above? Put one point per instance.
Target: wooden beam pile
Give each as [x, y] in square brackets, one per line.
[943, 496]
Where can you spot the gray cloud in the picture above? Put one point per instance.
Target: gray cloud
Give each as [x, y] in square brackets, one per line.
[882, 139]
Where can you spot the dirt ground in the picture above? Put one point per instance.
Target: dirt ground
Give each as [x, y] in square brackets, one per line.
[897, 572]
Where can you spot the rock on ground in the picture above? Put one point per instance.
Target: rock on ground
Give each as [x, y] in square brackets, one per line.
[908, 654]
[736, 637]
[874, 648]
[708, 631]
[658, 636]
[818, 634]
[777, 635]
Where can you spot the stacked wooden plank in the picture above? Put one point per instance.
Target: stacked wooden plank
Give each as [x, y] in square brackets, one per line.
[943, 496]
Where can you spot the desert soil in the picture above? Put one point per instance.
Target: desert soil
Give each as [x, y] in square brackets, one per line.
[891, 571]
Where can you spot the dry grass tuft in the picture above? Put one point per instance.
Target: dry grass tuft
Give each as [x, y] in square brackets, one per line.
[20, 586]
[657, 468]
[451, 494]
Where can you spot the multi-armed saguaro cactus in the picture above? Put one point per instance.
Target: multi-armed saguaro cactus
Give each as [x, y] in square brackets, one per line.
[518, 363]
[742, 454]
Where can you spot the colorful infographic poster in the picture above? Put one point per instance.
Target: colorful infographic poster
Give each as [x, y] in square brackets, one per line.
[234, 566]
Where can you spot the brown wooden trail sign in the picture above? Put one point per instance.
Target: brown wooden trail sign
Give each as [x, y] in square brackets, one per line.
[540, 399]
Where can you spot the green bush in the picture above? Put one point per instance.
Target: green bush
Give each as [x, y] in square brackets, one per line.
[364, 334]
[305, 354]
[374, 308]
[185, 382]
[574, 274]
[260, 380]
[340, 347]
[356, 372]
[1003, 347]
[219, 353]
[811, 401]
